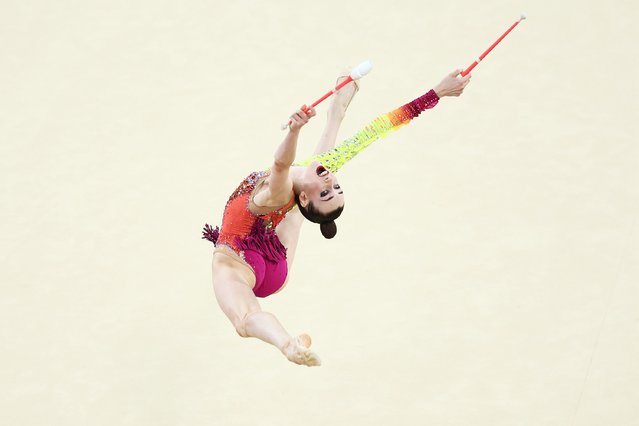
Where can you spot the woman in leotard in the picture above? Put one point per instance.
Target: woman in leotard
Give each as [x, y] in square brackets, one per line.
[256, 244]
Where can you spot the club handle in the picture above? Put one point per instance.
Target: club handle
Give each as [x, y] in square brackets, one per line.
[492, 46]
[469, 69]
[326, 95]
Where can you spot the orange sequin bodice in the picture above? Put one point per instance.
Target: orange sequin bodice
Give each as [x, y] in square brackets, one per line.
[239, 221]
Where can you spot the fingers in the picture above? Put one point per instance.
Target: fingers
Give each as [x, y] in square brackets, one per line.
[455, 73]
[306, 111]
[301, 116]
[461, 85]
[311, 113]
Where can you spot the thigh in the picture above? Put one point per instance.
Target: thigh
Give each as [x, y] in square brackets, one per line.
[288, 231]
[233, 289]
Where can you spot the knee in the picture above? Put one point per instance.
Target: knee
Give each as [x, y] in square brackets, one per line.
[240, 324]
[240, 328]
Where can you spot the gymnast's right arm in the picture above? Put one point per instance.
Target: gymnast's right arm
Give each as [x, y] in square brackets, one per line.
[280, 183]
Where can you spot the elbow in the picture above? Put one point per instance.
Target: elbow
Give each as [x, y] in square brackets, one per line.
[281, 165]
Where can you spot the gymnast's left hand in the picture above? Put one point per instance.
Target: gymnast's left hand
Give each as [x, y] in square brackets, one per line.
[452, 84]
[300, 117]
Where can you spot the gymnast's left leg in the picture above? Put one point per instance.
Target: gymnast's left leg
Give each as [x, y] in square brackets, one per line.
[239, 304]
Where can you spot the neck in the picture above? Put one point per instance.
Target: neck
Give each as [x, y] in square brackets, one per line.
[295, 174]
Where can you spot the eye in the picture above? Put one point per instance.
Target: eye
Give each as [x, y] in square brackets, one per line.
[336, 187]
[324, 193]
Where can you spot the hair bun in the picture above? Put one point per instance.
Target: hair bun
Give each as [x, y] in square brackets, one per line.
[329, 229]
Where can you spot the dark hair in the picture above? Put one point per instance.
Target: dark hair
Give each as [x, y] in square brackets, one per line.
[326, 221]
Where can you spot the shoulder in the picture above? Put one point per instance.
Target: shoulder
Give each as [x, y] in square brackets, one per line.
[264, 197]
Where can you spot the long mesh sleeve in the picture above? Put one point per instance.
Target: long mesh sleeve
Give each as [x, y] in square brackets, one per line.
[335, 158]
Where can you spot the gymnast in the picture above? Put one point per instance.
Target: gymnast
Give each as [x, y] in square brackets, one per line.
[255, 247]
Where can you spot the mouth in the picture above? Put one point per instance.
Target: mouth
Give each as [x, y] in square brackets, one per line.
[321, 171]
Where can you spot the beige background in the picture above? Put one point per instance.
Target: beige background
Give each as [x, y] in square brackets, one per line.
[487, 261]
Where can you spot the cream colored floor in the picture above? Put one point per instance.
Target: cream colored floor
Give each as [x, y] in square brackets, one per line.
[487, 262]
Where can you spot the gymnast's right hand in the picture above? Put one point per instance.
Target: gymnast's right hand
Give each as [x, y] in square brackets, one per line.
[299, 118]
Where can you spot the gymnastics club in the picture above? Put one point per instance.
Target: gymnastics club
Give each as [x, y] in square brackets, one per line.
[358, 72]
[483, 55]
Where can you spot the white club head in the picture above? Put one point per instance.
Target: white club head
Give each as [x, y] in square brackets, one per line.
[361, 70]
[523, 16]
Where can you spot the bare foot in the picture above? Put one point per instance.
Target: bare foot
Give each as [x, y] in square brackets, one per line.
[343, 97]
[297, 351]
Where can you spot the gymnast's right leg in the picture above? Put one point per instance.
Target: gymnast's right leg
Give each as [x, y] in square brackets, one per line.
[335, 115]
[235, 296]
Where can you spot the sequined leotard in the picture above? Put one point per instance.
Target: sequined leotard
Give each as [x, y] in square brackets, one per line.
[252, 236]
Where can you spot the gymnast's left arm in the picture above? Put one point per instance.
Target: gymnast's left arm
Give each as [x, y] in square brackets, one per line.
[334, 159]
[452, 84]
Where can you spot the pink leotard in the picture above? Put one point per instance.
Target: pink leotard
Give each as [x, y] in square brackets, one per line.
[252, 236]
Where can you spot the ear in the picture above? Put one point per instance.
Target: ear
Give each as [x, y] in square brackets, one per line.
[304, 200]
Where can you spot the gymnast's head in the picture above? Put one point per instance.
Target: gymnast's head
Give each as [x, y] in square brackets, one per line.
[320, 198]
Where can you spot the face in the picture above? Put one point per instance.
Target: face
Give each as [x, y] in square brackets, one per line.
[320, 187]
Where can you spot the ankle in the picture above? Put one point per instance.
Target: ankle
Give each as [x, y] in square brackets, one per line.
[288, 346]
